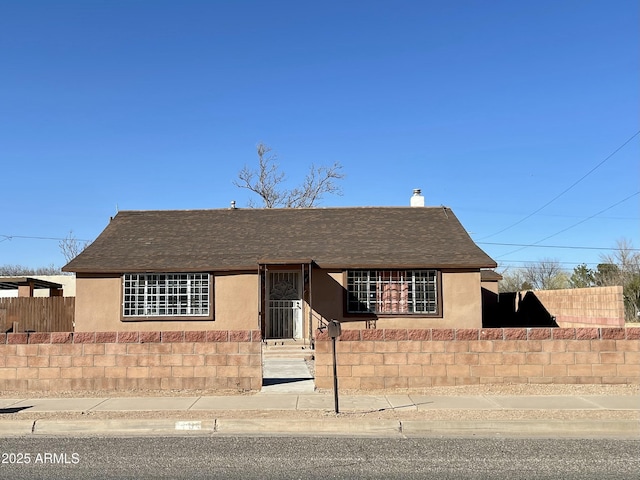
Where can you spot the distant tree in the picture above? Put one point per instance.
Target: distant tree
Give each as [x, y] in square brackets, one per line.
[622, 267]
[22, 271]
[267, 183]
[607, 274]
[582, 277]
[546, 274]
[513, 281]
[71, 247]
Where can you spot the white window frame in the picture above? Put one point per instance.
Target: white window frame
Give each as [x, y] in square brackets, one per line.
[393, 292]
[166, 295]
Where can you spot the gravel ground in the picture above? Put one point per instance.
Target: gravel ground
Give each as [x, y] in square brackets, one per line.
[485, 389]
[458, 415]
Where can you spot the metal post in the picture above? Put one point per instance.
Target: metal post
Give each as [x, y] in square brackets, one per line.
[335, 376]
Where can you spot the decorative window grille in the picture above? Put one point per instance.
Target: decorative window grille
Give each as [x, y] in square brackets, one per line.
[158, 295]
[392, 291]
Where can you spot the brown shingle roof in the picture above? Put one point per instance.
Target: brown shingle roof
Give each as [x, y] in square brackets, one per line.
[490, 276]
[236, 239]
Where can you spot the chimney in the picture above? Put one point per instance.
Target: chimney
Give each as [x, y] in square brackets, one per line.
[417, 200]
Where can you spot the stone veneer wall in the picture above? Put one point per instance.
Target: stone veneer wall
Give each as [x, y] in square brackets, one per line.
[211, 360]
[399, 358]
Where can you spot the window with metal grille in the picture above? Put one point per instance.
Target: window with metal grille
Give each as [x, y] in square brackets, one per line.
[171, 294]
[392, 291]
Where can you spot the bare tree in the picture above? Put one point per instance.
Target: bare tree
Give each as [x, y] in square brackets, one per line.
[267, 183]
[513, 281]
[71, 247]
[622, 267]
[546, 274]
[20, 270]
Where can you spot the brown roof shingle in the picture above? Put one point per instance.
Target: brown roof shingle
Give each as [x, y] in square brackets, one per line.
[240, 239]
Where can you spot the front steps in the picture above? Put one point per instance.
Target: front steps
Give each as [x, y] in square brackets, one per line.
[286, 348]
[285, 366]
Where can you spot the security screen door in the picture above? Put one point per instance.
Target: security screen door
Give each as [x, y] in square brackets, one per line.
[285, 305]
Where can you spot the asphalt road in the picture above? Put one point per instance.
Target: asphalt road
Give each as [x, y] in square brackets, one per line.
[250, 457]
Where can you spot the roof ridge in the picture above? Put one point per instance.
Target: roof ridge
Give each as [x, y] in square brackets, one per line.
[245, 209]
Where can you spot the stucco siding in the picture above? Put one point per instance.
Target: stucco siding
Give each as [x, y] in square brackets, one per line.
[99, 304]
[461, 303]
[236, 302]
[461, 300]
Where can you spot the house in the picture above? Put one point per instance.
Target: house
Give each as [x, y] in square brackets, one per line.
[283, 271]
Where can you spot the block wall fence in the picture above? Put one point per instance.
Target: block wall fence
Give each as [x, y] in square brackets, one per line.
[398, 358]
[211, 360]
[585, 307]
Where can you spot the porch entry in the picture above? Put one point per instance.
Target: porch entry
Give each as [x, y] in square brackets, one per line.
[284, 312]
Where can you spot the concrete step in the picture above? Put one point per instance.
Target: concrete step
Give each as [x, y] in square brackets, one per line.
[286, 349]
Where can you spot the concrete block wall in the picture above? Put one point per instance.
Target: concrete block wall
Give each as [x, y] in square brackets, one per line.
[402, 358]
[585, 307]
[211, 360]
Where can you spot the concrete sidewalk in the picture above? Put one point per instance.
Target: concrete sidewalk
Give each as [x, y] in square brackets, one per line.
[355, 417]
[322, 402]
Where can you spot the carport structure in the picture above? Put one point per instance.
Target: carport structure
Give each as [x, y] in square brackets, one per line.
[27, 285]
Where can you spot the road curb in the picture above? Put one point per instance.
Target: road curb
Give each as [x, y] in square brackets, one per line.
[12, 428]
[319, 427]
[123, 427]
[309, 427]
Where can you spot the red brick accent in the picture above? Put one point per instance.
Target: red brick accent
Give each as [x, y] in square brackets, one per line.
[106, 337]
[539, 333]
[59, 337]
[419, 334]
[515, 333]
[443, 334]
[371, 334]
[217, 336]
[467, 334]
[321, 334]
[587, 333]
[84, 337]
[563, 333]
[17, 338]
[350, 335]
[395, 334]
[239, 336]
[3, 338]
[149, 337]
[40, 337]
[128, 337]
[195, 336]
[170, 337]
[612, 333]
[632, 334]
[491, 334]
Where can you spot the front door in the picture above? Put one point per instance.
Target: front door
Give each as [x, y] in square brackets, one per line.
[284, 319]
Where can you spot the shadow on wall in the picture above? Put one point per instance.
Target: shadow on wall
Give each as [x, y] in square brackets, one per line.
[325, 292]
[512, 310]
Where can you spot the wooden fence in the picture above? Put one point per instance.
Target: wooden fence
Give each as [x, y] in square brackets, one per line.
[37, 314]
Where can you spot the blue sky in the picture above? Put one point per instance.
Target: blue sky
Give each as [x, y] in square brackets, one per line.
[493, 108]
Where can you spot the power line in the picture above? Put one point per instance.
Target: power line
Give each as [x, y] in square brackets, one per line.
[567, 189]
[11, 237]
[569, 247]
[513, 263]
[572, 226]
